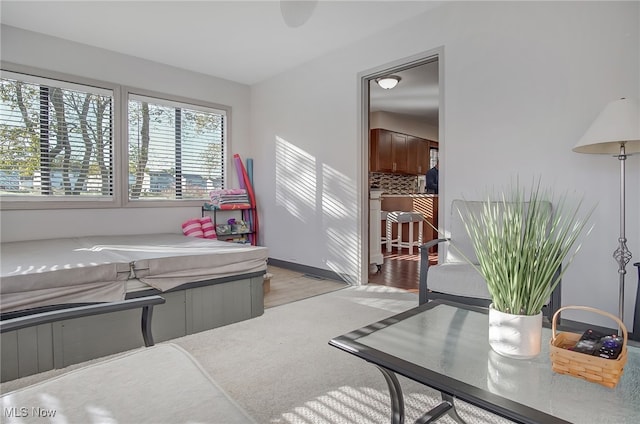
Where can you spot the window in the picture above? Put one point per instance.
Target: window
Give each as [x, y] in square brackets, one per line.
[71, 142]
[56, 140]
[175, 149]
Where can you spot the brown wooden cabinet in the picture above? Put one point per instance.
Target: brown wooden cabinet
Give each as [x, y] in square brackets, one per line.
[394, 152]
[400, 153]
[412, 159]
[380, 151]
[418, 159]
[423, 157]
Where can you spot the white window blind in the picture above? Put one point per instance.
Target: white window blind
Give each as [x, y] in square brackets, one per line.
[56, 140]
[175, 149]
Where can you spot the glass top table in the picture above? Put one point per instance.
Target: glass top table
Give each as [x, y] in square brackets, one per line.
[445, 346]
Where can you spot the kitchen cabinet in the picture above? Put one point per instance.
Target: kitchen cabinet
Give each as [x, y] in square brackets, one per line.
[394, 152]
[418, 155]
[381, 152]
[388, 152]
[400, 153]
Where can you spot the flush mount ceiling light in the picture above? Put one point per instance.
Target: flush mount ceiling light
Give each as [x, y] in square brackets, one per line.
[295, 12]
[388, 82]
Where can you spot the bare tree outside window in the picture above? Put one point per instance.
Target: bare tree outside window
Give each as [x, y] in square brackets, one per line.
[175, 151]
[54, 141]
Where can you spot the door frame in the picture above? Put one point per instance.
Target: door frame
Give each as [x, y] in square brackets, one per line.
[364, 79]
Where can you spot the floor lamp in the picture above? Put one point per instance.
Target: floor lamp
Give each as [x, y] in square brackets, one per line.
[616, 132]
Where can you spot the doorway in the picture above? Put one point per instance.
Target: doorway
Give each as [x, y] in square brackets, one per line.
[412, 109]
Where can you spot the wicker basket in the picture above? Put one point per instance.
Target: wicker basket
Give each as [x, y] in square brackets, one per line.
[591, 368]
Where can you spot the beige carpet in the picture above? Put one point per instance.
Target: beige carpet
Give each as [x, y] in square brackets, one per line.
[280, 368]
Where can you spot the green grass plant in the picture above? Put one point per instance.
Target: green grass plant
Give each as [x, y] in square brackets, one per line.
[521, 244]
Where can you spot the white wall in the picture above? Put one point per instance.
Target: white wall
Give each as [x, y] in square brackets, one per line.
[53, 54]
[522, 82]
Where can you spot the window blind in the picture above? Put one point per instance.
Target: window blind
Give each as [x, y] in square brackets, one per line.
[176, 150]
[56, 139]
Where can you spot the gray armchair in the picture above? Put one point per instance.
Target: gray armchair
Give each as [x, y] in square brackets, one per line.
[454, 278]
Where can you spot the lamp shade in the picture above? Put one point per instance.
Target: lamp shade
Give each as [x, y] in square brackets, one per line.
[388, 82]
[618, 123]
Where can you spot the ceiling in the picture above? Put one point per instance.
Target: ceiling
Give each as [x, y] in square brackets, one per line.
[416, 95]
[242, 41]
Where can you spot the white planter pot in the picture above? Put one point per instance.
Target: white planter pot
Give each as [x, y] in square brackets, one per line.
[515, 336]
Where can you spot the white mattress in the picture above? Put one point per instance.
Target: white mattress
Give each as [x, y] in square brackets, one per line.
[99, 268]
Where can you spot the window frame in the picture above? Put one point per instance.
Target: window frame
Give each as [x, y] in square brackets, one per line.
[120, 198]
[124, 170]
[54, 202]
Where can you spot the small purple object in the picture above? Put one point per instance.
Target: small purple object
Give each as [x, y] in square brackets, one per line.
[231, 221]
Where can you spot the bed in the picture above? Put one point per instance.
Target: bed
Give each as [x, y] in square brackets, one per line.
[205, 284]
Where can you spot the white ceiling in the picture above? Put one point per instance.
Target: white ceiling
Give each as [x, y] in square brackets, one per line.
[242, 41]
[416, 95]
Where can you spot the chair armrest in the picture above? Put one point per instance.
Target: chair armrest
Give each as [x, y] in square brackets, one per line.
[424, 269]
[145, 303]
[433, 242]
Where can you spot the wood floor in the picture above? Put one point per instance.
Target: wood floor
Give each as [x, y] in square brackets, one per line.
[287, 286]
[400, 269]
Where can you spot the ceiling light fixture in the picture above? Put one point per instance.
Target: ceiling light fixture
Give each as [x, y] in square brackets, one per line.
[388, 82]
[295, 12]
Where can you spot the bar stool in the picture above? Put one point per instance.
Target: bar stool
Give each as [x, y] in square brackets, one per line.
[383, 218]
[399, 218]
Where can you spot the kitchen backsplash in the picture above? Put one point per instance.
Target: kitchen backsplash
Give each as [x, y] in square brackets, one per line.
[393, 183]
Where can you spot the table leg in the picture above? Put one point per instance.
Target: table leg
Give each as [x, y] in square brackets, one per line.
[452, 412]
[443, 408]
[397, 403]
[435, 413]
[395, 392]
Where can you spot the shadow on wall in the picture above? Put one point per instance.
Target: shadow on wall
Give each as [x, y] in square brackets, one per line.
[315, 194]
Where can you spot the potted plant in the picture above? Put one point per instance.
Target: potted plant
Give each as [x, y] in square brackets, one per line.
[524, 244]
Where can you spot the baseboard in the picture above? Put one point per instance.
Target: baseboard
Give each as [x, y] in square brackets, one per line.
[309, 270]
